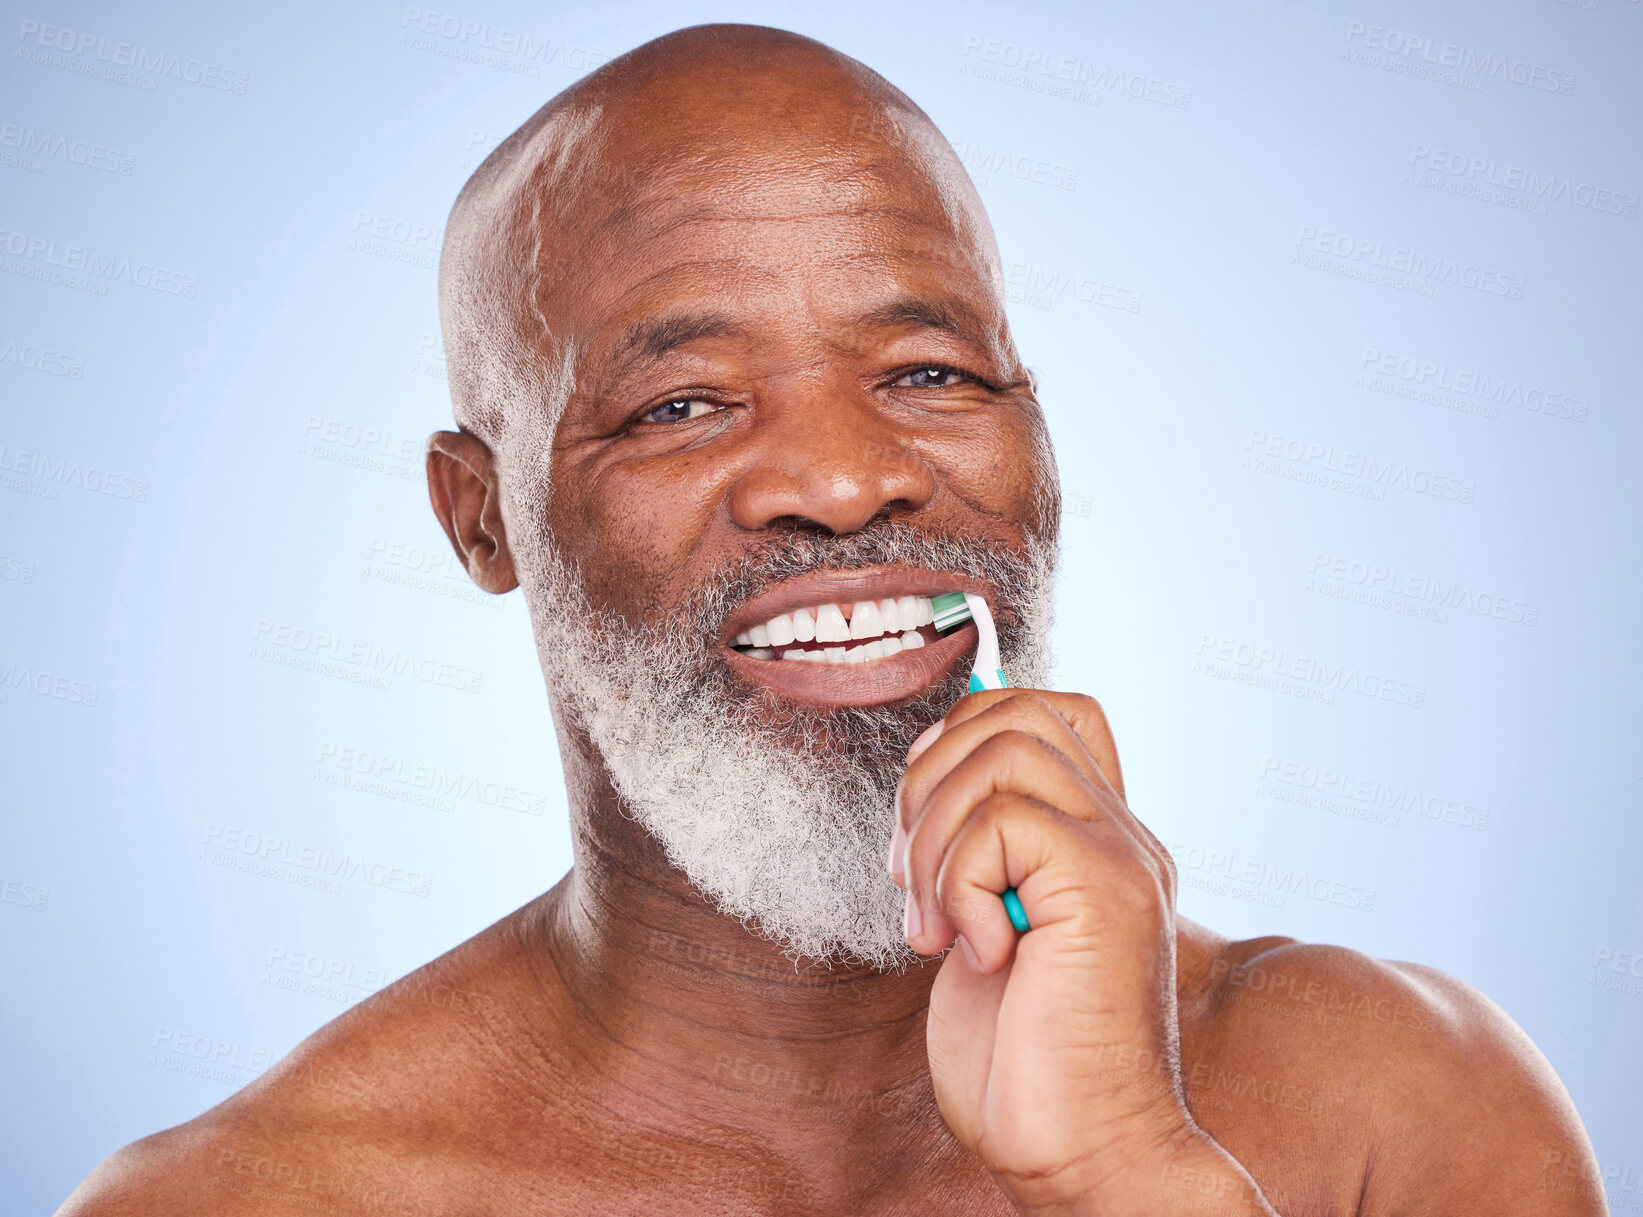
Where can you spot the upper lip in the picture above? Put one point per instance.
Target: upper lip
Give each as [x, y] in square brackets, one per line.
[845, 587]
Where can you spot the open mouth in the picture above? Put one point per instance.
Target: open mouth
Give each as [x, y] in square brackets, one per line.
[850, 638]
[858, 632]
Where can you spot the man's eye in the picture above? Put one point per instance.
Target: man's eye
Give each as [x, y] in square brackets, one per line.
[932, 377]
[679, 411]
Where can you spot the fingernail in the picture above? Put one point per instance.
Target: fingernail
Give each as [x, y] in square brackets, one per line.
[969, 953]
[925, 740]
[912, 918]
[895, 861]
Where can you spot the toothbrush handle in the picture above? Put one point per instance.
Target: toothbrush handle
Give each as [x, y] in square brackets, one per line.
[1012, 906]
[1012, 902]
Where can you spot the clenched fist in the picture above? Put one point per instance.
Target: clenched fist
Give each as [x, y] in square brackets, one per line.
[1034, 1037]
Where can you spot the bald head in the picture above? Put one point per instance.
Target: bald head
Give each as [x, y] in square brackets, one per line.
[698, 128]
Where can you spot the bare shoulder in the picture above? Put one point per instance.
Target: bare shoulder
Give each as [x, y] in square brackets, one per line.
[387, 1108]
[1447, 1103]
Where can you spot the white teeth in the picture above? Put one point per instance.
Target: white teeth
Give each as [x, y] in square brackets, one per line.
[882, 620]
[780, 629]
[831, 625]
[873, 650]
[865, 621]
[856, 655]
[834, 654]
[891, 645]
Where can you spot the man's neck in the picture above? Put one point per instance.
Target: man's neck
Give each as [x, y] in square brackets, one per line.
[680, 1022]
[674, 985]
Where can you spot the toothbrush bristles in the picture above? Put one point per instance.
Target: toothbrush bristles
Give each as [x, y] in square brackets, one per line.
[951, 610]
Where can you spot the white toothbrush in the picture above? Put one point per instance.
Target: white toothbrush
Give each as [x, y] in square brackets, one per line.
[952, 610]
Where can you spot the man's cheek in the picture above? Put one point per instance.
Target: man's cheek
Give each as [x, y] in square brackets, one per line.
[1006, 466]
[635, 543]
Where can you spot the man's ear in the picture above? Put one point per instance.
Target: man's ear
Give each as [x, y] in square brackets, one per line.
[463, 487]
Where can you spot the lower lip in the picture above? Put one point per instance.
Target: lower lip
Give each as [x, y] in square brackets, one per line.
[871, 682]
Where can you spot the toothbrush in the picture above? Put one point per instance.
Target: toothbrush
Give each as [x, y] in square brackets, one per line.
[951, 611]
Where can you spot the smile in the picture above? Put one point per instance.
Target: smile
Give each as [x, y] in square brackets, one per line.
[841, 638]
[859, 632]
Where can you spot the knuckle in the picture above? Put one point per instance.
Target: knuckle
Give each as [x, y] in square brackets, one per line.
[1170, 875]
[1008, 739]
[960, 902]
[983, 699]
[1090, 706]
[1003, 805]
[1146, 894]
[1032, 701]
[1033, 707]
[1013, 739]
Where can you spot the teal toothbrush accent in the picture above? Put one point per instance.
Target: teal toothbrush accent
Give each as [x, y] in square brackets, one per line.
[1012, 906]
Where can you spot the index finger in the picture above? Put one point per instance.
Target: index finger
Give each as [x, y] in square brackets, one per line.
[1083, 714]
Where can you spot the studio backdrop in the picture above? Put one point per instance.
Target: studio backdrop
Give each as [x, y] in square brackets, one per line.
[1334, 313]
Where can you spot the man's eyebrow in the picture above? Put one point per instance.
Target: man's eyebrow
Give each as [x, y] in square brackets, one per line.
[655, 336]
[658, 335]
[913, 311]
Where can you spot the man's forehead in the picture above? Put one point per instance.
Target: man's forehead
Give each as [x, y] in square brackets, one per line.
[703, 249]
[712, 193]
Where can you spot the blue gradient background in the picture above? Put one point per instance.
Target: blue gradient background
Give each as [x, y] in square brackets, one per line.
[276, 416]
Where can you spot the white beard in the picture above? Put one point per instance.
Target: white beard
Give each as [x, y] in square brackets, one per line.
[782, 819]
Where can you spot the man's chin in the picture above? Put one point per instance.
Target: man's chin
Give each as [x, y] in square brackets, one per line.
[842, 957]
[868, 739]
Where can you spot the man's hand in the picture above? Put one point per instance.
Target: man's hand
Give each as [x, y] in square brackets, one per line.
[1054, 1053]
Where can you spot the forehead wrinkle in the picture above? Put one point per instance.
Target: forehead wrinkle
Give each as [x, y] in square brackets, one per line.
[682, 308]
[685, 271]
[754, 188]
[650, 220]
[655, 228]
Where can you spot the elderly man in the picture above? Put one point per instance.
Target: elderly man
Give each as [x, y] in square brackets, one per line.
[726, 332]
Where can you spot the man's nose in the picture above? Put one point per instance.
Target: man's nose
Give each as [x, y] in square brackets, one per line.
[829, 458]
